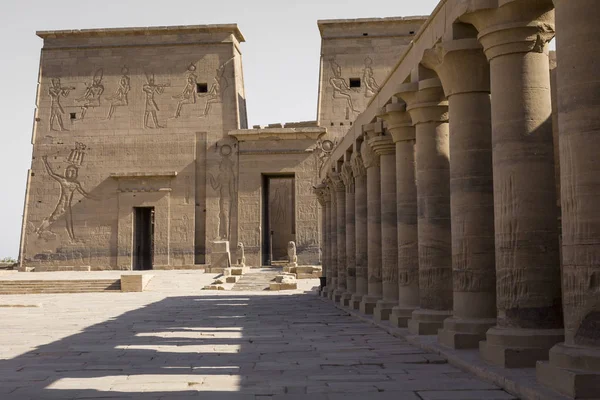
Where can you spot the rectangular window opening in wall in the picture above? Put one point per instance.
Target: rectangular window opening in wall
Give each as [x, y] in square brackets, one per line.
[73, 115]
[354, 82]
[202, 87]
[411, 32]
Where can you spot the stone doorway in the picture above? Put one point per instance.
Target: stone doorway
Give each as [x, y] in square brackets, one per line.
[279, 216]
[143, 238]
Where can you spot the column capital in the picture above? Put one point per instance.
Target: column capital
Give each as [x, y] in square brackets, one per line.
[348, 177]
[520, 26]
[369, 158]
[321, 192]
[358, 166]
[399, 123]
[383, 145]
[461, 66]
[337, 184]
[425, 100]
[373, 129]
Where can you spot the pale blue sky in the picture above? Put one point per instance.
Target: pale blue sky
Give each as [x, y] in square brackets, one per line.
[281, 62]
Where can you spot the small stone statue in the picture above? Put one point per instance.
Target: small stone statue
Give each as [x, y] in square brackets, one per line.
[292, 257]
[241, 256]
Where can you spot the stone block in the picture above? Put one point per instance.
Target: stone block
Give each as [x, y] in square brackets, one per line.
[577, 384]
[232, 279]
[274, 286]
[135, 282]
[367, 304]
[213, 287]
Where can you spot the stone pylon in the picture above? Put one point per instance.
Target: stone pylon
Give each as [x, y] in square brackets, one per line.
[465, 75]
[529, 318]
[400, 127]
[428, 108]
[371, 162]
[574, 367]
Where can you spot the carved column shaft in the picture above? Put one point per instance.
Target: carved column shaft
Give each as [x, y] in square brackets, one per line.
[360, 208]
[332, 214]
[465, 75]
[385, 148]
[340, 207]
[322, 194]
[429, 112]
[403, 134]
[348, 178]
[577, 360]
[514, 38]
[371, 161]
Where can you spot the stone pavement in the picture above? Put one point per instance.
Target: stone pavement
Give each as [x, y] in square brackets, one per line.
[257, 279]
[178, 342]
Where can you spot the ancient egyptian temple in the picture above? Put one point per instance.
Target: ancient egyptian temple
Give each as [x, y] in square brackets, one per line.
[450, 183]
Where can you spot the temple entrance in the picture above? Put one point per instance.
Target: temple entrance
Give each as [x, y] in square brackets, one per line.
[279, 217]
[143, 238]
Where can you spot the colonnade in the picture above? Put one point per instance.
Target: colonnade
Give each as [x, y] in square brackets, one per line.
[442, 216]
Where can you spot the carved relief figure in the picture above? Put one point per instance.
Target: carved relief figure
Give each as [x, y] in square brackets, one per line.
[241, 256]
[278, 204]
[57, 91]
[69, 184]
[220, 83]
[225, 185]
[371, 86]
[292, 257]
[93, 91]
[150, 89]
[188, 95]
[120, 97]
[341, 90]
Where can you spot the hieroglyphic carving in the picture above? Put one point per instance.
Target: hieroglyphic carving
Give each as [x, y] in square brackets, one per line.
[292, 257]
[220, 83]
[279, 202]
[341, 90]
[469, 280]
[56, 91]
[188, 94]
[92, 94]
[371, 86]
[150, 89]
[120, 97]
[225, 185]
[69, 184]
[322, 150]
[348, 177]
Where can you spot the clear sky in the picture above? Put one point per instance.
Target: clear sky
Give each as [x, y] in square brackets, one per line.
[281, 62]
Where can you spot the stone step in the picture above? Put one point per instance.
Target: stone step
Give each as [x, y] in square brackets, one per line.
[59, 286]
[257, 280]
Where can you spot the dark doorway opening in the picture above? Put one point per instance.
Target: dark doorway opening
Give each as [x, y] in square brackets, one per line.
[278, 216]
[143, 238]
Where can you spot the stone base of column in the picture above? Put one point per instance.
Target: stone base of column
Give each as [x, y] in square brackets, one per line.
[400, 316]
[367, 304]
[574, 371]
[464, 333]
[355, 301]
[383, 310]
[337, 295]
[325, 292]
[345, 300]
[427, 322]
[518, 348]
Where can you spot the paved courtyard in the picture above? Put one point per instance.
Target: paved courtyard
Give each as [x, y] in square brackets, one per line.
[178, 342]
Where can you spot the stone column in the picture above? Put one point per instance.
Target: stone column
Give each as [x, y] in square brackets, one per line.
[574, 367]
[360, 224]
[321, 193]
[528, 298]
[400, 126]
[428, 109]
[332, 215]
[340, 207]
[371, 161]
[465, 75]
[348, 178]
[385, 148]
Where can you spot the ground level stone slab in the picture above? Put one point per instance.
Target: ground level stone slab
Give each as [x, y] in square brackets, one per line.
[175, 341]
